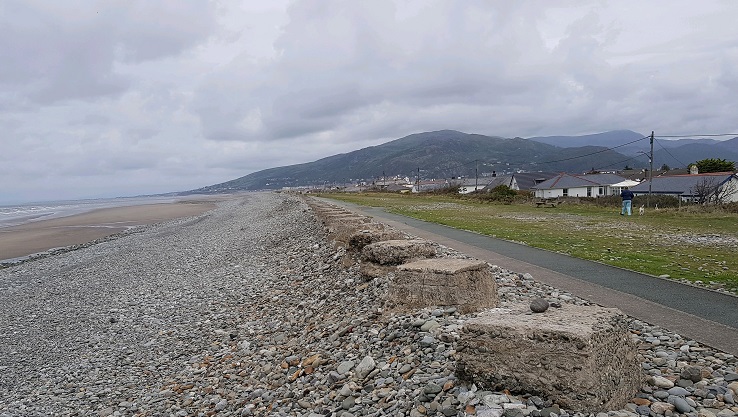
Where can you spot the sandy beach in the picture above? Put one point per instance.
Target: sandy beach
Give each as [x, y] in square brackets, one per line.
[43, 235]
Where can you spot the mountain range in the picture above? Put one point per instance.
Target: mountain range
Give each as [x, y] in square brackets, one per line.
[453, 154]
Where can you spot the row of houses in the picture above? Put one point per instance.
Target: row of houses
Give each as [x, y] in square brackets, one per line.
[693, 187]
[689, 187]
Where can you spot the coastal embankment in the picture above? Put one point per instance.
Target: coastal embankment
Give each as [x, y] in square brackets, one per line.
[249, 309]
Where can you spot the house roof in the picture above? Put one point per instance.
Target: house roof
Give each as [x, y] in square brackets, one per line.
[470, 182]
[626, 183]
[397, 187]
[682, 184]
[528, 180]
[505, 180]
[565, 180]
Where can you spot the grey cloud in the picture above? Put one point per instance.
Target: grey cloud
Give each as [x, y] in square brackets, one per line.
[337, 60]
[68, 50]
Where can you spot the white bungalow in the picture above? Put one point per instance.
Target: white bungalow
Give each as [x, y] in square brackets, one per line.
[568, 185]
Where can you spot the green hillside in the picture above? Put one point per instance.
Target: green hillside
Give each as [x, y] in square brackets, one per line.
[441, 154]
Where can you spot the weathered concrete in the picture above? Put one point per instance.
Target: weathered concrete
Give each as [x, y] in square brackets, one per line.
[370, 270]
[371, 233]
[396, 252]
[466, 284]
[581, 357]
[349, 229]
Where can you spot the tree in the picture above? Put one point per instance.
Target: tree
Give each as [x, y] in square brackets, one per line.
[665, 168]
[712, 191]
[715, 165]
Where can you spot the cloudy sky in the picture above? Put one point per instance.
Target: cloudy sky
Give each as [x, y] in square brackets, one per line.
[114, 98]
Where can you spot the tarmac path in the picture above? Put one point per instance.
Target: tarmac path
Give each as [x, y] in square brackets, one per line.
[707, 316]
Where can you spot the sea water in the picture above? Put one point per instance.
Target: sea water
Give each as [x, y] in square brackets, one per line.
[25, 213]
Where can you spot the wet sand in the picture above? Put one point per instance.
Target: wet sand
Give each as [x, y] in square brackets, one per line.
[35, 237]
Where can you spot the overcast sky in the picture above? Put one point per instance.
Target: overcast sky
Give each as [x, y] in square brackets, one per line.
[115, 98]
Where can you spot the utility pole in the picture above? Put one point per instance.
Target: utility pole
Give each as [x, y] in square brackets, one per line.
[476, 174]
[650, 174]
[418, 179]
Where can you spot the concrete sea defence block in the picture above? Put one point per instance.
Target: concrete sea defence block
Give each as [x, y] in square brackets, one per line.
[397, 251]
[581, 357]
[466, 284]
[350, 229]
[371, 233]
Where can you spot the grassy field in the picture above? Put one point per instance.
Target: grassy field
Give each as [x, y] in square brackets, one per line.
[699, 247]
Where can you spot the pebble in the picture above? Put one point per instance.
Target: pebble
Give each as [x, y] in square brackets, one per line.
[251, 310]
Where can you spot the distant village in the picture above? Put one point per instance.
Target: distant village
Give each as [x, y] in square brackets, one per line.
[685, 185]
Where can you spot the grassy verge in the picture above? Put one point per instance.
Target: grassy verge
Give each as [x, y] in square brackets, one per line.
[699, 247]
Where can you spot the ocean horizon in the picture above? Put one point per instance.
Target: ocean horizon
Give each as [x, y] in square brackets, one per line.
[19, 214]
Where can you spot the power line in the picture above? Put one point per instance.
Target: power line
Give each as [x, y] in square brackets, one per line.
[692, 136]
[593, 153]
[618, 163]
[667, 151]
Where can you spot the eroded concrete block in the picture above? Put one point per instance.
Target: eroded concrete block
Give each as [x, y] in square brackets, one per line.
[466, 284]
[397, 251]
[370, 270]
[581, 357]
[371, 233]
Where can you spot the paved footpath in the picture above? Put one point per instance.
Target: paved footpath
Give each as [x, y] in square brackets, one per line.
[709, 317]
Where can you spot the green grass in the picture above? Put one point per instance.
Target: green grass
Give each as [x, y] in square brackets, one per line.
[659, 243]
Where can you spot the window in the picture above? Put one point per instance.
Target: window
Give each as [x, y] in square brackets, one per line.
[566, 192]
[601, 191]
[589, 191]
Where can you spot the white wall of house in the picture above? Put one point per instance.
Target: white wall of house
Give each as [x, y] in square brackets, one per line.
[554, 193]
[732, 185]
[594, 191]
[514, 185]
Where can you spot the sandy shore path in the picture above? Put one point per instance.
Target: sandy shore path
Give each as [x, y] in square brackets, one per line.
[43, 235]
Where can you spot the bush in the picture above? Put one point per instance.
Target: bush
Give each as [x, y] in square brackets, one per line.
[502, 194]
[450, 190]
[663, 201]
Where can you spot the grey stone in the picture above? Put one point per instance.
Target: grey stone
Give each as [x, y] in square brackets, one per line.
[427, 341]
[679, 391]
[539, 305]
[661, 394]
[680, 404]
[345, 367]
[222, 404]
[366, 366]
[643, 410]
[429, 325]
[513, 412]
[692, 373]
[432, 388]
[348, 403]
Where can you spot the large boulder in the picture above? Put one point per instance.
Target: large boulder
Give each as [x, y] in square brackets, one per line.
[466, 284]
[581, 357]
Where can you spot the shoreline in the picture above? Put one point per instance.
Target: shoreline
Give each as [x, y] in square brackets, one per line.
[18, 242]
